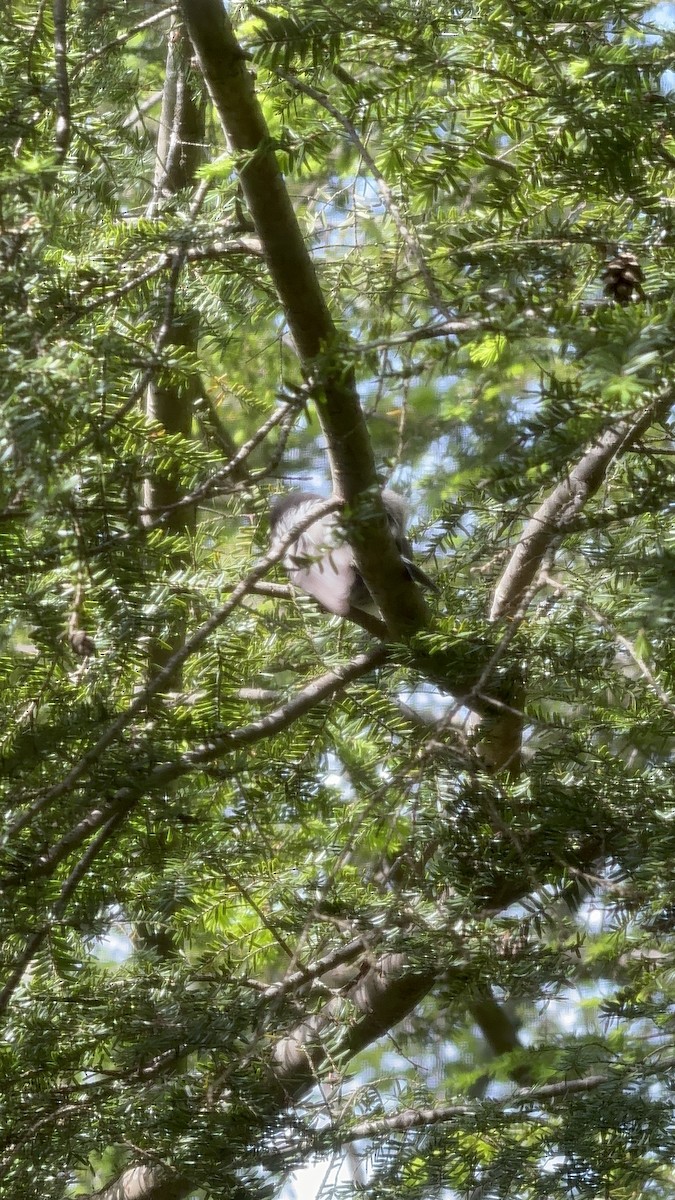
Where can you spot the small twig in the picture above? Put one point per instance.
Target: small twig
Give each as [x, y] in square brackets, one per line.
[110, 422]
[662, 695]
[444, 329]
[249, 899]
[141, 109]
[210, 486]
[214, 252]
[122, 38]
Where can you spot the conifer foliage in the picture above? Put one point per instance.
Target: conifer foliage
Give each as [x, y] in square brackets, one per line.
[392, 892]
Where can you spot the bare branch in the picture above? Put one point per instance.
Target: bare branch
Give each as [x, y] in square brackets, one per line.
[211, 486]
[123, 37]
[426, 332]
[213, 252]
[322, 966]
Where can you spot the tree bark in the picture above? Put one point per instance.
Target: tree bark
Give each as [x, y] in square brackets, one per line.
[563, 505]
[323, 351]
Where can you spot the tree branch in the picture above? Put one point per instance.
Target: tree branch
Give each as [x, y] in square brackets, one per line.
[264, 726]
[68, 889]
[422, 1118]
[385, 995]
[159, 680]
[62, 131]
[407, 234]
[561, 508]
[322, 350]
[124, 37]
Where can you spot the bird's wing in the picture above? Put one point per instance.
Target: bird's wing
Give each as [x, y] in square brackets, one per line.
[326, 573]
[320, 563]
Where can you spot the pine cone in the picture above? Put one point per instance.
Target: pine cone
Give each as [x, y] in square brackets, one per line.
[622, 278]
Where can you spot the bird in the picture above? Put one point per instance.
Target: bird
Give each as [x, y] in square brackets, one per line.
[321, 561]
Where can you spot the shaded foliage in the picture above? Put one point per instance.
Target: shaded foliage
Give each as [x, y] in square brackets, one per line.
[173, 873]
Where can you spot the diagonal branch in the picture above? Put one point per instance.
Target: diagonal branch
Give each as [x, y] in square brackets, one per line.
[407, 234]
[68, 889]
[560, 509]
[322, 350]
[158, 682]
[267, 725]
[383, 996]
[423, 1118]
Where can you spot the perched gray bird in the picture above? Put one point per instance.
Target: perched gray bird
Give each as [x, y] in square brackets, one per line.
[322, 563]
